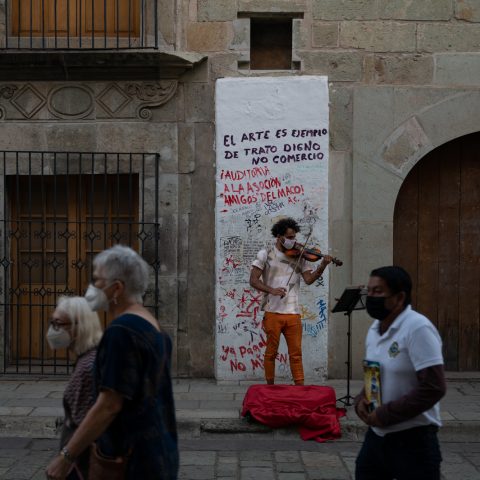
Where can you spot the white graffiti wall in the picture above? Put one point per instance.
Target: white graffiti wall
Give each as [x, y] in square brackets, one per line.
[272, 161]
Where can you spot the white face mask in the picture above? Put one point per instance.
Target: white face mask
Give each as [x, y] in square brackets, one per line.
[58, 338]
[96, 298]
[289, 243]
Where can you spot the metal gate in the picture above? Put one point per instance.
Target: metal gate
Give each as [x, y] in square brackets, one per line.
[58, 210]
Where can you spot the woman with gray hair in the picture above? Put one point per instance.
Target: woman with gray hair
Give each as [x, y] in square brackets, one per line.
[133, 418]
[75, 326]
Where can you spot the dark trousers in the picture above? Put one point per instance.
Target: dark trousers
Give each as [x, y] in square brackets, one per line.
[412, 454]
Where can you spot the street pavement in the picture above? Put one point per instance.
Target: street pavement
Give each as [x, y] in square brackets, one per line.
[241, 457]
[215, 443]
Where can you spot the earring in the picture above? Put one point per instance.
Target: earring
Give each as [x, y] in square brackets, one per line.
[115, 301]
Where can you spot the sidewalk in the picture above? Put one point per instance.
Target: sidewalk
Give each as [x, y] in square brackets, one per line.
[205, 408]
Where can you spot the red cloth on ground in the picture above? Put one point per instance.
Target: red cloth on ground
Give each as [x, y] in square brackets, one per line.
[311, 407]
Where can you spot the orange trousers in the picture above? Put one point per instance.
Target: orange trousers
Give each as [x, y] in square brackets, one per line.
[290, 325]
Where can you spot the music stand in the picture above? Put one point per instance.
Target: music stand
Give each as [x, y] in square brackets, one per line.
[350, 300]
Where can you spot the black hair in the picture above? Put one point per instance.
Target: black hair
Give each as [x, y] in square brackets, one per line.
[281, 227]
[397, 280]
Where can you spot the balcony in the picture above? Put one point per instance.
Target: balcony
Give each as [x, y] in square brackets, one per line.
[86, 40]
[79, 25]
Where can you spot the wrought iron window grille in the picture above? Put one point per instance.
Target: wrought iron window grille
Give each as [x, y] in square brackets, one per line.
[58, 210]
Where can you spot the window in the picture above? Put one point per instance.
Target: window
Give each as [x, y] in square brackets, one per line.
[271, 44]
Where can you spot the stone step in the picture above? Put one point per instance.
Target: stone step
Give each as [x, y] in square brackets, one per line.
[198, 426]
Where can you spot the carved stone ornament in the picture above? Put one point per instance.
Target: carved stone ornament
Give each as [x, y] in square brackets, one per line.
[28, 101]
[53, 101]
[153, 94]
[70, 102]
[7, 91]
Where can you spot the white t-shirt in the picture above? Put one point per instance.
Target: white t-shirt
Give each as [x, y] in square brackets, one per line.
[276, 270]
[410, 344]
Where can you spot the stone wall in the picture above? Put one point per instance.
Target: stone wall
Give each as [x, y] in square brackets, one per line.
[106, 117]
[386, 60]
[393, 67]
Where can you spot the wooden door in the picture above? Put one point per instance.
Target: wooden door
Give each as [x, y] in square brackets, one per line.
[74, 18]
[437, 239]
[59, 223]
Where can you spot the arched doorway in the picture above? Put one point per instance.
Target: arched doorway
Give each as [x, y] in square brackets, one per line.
[437, 239]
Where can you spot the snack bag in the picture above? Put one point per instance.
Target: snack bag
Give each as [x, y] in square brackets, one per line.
[372, 383]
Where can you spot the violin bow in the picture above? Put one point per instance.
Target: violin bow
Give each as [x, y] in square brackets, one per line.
[300, 256]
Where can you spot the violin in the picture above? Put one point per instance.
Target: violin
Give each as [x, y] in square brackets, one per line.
[310, 254]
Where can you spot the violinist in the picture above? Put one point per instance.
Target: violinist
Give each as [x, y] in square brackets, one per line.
[277, 275]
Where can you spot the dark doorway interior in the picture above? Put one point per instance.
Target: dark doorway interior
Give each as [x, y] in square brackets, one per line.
[271, 44]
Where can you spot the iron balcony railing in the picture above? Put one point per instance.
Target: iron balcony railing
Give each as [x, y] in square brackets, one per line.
[79, 24]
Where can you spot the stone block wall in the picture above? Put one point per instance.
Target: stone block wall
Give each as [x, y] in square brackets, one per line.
[386, 60]
[403, 44]
[365, 41]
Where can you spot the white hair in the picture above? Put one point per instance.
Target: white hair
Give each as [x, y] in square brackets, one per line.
[123, 263]
[86, 328]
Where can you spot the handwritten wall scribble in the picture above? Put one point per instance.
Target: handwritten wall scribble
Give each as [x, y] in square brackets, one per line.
[269, 165]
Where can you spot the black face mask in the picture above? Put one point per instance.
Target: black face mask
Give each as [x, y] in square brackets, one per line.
[376, 307]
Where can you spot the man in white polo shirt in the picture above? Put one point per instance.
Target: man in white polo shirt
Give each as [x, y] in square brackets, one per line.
[401, 442]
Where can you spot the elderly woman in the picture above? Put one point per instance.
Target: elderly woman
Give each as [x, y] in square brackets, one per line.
[74, 326]
[133, 418]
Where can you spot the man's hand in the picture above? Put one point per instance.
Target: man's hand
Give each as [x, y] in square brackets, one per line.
[362, 410]
[257, 283]
[372, 420]
[279, 292]
[326, 260]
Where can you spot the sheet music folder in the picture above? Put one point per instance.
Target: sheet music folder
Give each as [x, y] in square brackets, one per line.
[350, 300]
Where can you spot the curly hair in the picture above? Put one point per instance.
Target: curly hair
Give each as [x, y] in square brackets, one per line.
[281, 227]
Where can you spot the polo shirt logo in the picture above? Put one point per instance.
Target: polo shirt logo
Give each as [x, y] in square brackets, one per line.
[393, 351]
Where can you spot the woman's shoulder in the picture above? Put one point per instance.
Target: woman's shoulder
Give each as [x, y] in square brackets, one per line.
[87, 357]
[132, 320]
[85, 362]
[134, 324]
[132, 332]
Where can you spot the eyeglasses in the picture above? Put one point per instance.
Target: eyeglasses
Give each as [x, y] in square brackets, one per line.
[58, 324]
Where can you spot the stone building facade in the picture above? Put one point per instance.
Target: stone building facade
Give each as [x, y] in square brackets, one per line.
[404, 81]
